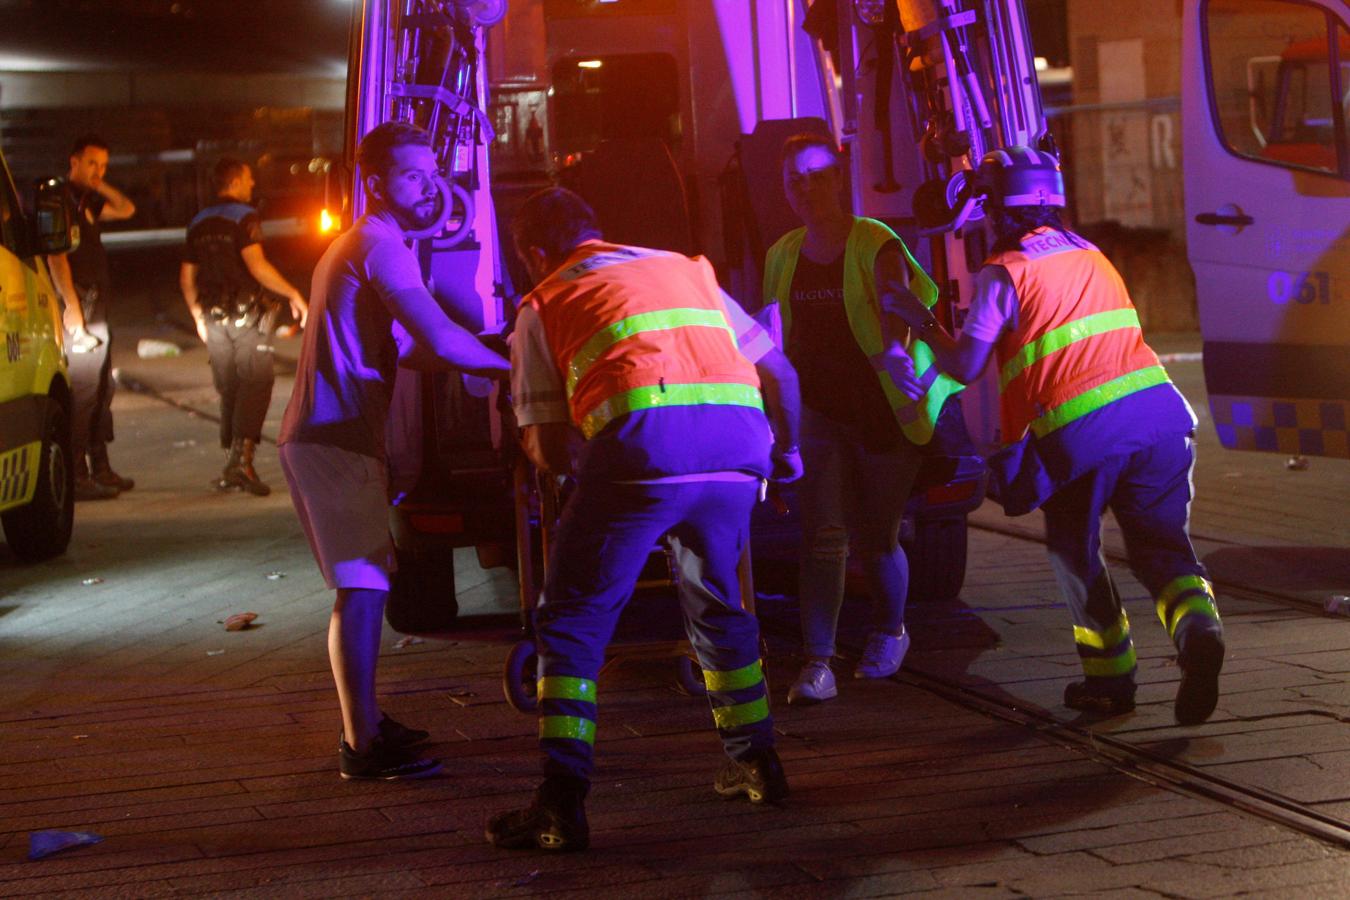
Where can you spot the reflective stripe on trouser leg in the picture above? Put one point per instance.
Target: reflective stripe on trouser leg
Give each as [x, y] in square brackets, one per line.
[602, 540]
[566, 713]
[1187, 602]
[707, 547]
[740, 701]
[1106, 654]
[1073, 535]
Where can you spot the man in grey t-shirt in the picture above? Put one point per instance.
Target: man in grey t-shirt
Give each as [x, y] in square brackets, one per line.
[369, 313]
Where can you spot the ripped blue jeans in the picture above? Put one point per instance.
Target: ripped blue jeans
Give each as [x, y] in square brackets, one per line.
[851, 499]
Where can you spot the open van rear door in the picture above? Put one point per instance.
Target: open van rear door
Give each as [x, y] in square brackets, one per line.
[1265, 91]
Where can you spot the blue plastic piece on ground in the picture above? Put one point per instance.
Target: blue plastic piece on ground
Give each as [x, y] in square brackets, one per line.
[45, 843]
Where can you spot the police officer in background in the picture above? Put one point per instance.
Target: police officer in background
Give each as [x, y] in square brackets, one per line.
[1091, 421]
[223, 277]
[83, 280]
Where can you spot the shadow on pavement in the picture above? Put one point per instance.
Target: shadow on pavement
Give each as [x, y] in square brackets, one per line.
[1282, 568]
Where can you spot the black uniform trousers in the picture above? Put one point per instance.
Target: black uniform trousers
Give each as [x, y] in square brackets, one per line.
[91, 379]
[241, 367]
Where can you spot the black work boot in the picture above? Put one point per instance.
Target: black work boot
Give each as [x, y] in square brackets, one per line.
[242, 474]
[1200, 658]
[759, 776]
[556, 820]
[1100, 696]
[103, 472]
[87, 488]
[229, 475]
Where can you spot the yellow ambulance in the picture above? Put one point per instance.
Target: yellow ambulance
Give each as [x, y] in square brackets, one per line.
[36, 478]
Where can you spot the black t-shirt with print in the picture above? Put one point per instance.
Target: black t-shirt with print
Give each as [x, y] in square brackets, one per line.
[837, 380]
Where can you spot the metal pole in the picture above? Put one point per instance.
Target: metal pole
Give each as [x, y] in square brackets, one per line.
[790, 23]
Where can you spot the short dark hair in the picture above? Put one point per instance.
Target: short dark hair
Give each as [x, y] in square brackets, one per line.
[227, 169]
[85, 141]
[375, 153]
[1012, 223]
[800, 141]
[555, 220]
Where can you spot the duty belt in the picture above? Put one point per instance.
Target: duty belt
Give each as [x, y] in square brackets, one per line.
[241, 315]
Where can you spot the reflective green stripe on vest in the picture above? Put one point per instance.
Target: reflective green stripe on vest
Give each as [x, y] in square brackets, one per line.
[652, 396]
[1102, 640]
[865, 240]
[566, 687]
[728, 717]
[1063, 336]
[1094, 399]
[566, 727]
[657, 320]
[736, 680]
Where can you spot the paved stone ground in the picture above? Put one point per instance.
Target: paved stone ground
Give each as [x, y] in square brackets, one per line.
[205, 758]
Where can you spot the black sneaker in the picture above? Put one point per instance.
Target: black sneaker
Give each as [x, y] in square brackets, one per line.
[556, 820]
[759, 776]
[1099, 699]
[1200, 659]
[383, 763]
[400, 736]
[396, 735]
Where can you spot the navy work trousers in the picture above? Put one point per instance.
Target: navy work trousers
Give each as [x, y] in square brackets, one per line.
[1150, 493]
[606, 532]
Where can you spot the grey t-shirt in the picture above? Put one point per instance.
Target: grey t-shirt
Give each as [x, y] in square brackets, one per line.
[349, 356]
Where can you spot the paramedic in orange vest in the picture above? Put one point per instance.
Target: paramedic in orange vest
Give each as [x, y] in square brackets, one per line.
[1090, 421]
[629, 353]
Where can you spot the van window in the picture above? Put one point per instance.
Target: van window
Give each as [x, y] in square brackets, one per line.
[1276, 92]
[631, 95]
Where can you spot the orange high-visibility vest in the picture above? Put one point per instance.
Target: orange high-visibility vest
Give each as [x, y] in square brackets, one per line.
[1077, 346]
[633, 329]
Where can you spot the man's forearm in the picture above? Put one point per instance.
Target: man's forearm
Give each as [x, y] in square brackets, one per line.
[275, 282]
[782, 399]
[549, 446]
[193, 302]
[59, 268]
[460, 354]
[119, 205]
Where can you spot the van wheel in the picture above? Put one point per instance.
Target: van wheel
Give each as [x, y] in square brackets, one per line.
[689, 676]
[41, 529]
[937, 559]
[520, 677]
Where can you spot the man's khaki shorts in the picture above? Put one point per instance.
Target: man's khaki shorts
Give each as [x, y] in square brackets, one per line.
[343, 504]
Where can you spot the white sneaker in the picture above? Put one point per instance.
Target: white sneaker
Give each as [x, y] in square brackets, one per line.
[82, 341]
[814, 683]
[883, 655]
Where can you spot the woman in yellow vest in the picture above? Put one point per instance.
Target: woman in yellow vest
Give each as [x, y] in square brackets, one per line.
[1090, 420]
[859, 425]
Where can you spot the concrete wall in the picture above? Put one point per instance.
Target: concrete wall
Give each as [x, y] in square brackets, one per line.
[1122, 142]
[60, 90]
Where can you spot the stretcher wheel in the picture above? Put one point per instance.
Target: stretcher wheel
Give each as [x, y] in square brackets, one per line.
[520, 678]
[689, 676]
